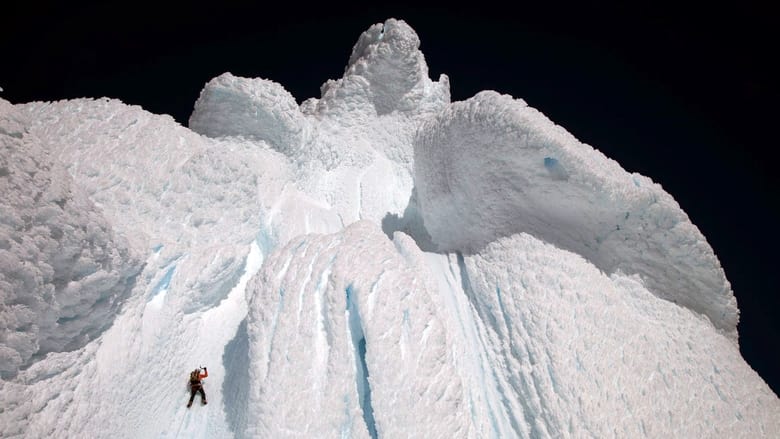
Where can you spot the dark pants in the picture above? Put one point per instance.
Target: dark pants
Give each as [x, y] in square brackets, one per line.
[195, 388]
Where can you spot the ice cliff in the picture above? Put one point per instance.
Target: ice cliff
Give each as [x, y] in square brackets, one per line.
[377, 262]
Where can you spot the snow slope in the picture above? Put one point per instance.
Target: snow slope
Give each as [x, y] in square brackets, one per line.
[378, 262]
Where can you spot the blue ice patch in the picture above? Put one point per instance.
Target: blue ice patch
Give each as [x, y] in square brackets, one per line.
[162, 285]
[361, 368]
[556, 170]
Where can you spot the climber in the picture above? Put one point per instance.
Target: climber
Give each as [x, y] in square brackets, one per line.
[197, 386]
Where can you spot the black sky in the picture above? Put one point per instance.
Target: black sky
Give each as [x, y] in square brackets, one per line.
[683, 94]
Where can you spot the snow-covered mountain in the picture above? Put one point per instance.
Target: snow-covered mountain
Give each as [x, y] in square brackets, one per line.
[379, 262]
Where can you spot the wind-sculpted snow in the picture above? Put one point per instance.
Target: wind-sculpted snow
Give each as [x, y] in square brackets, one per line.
[520, 340]
[577, 353]
[386, 76]
[386, 73]
[491, 166]
[275, 253]
[64, 273]
[189, 199]
[352, 143]
[253, 108]
[341, 349]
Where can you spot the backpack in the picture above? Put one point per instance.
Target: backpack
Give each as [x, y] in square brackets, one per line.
[195, 377]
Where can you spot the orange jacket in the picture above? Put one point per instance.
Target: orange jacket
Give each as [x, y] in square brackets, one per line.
[201, 375]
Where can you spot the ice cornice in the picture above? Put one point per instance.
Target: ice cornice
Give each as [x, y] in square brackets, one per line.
[254, 108]
[491, 167]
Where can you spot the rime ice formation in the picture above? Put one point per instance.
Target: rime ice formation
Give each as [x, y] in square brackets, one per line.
[63, 271]
[315, 305]
[377, 262]
[386, 73]
[252, 108]
[492, 166]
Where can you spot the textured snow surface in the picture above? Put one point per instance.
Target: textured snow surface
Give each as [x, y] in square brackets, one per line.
[359, 347]
[252, 108]
[63, 271]
[491, 166]
[377, 262]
